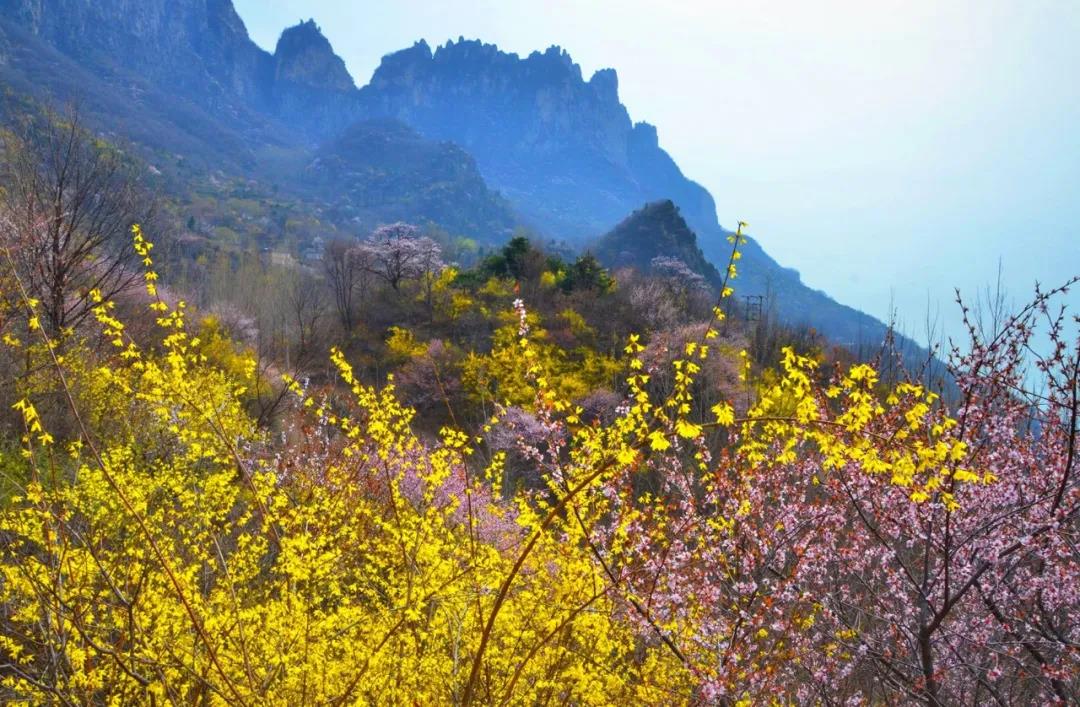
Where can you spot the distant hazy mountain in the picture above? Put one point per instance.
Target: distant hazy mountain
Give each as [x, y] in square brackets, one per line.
[182, 79]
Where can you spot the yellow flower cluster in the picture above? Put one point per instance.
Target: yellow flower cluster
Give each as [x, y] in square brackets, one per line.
[893, 433]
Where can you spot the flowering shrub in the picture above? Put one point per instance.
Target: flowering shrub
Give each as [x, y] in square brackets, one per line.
[842, 541]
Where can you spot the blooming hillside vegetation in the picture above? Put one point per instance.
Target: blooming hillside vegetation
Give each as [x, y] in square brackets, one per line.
[831, 538]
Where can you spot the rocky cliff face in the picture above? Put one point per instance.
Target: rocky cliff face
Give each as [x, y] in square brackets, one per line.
[493, 100]
[200, 51]
[540, 131]
[135, 80]
[5, 48]
[196, 45]
[309, 85]
[304, 57]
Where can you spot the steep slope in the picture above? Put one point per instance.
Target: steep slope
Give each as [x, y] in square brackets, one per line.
[655, 230]
[126, 105]
[194, 45]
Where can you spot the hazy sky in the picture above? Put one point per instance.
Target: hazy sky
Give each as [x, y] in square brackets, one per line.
[888, 150]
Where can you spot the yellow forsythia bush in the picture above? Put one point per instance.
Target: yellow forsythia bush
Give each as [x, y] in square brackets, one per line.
[180, 559]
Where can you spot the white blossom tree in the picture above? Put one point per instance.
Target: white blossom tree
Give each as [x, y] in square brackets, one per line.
[399, 253]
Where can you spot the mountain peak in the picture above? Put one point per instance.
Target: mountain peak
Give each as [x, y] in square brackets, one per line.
[656, 229]
[475, 47]
[304, 56]
[645, 135]
[538, 111]
[606, 84]
[302, 33]
[558, 56]
[402, 64]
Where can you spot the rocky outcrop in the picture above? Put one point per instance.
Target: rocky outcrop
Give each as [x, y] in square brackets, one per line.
[197, 46]
[491, 100]
[309, 86]
[304, 57]
[534, 124]
[199, 50]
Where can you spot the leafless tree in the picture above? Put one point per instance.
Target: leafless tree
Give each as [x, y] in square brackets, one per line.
[347, 267]
[306, 306]
[70, 200]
